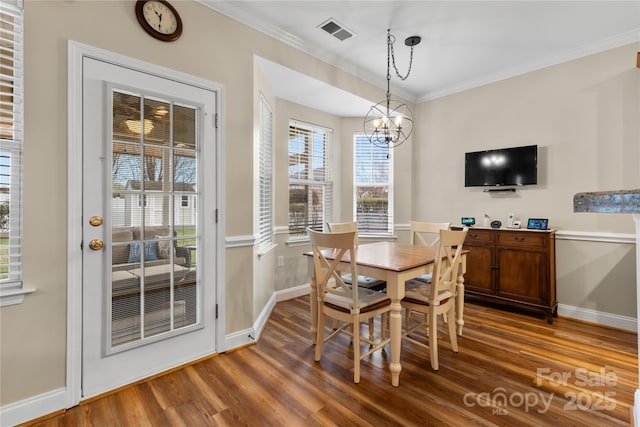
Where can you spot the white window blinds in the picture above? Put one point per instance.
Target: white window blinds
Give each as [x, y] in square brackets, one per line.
[310, 178]
[373, 187]
[11, 137]
[265, 220]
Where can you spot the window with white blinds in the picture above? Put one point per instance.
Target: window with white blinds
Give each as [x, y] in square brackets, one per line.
[373, 187]
[265, 220]
[310, 178]
[11, 137]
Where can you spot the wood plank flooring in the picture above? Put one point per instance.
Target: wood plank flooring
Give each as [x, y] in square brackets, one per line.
[512, 370]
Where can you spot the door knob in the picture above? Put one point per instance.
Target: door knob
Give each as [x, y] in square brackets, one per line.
[96, 244]
[96, 221]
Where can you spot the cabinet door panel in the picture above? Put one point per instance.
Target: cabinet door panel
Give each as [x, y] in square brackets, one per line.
[521, 274]
[479, 275]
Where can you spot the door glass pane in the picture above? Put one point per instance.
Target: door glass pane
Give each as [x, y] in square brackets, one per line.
[154, 285]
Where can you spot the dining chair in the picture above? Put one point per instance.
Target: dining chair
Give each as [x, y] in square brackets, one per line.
[350, 305]
[427, 234]
[363, 281]
[438, 297]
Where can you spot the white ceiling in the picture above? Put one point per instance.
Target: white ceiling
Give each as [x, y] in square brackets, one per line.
[465, 44]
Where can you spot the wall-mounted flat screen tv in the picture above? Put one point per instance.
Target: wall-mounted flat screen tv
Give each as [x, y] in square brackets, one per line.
[502, 167]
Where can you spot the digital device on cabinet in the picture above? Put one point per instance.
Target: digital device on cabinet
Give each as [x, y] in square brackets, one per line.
[468, 221]
[538, 223]
[515, 166]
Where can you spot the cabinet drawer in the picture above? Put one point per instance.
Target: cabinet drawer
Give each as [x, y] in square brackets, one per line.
[521, 239]
[475, 235]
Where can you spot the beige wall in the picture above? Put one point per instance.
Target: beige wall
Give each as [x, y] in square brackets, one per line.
[32, 341]
[582, 114]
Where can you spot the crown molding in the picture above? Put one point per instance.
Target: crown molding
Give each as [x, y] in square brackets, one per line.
[559, 58]
[237, 12]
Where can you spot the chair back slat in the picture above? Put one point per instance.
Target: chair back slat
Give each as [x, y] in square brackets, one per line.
[447, 266]
[341, 227]
[427, 233]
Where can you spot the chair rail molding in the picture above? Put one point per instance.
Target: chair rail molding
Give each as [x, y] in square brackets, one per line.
[596, 236]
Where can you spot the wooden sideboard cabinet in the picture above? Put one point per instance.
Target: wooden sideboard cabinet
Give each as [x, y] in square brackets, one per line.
[512, 268]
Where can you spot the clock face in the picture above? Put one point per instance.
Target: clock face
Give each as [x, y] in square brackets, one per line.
[159, 19]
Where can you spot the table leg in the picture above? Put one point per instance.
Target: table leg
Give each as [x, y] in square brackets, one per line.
[460, 297]
[396, 334]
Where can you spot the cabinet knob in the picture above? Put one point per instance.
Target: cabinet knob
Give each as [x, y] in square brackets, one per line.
[519, 239]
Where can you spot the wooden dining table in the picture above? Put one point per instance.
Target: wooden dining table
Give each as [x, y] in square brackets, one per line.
[394, 263]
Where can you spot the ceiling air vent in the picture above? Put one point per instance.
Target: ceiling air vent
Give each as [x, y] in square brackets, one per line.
[336, 29]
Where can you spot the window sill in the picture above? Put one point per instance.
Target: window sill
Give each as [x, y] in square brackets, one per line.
[13, 296]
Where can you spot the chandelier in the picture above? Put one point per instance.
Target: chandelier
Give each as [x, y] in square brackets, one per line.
[389, 123]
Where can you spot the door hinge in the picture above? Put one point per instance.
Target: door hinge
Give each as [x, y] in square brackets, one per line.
[215, 120]
[216, 311]
[216, 216]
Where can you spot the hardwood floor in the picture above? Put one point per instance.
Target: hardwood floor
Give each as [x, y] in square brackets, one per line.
[512, 370]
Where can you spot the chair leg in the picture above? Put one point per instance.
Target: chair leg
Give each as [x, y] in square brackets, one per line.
[407, 318]
[371, 329]
[322, 320]
[384, 326]
[356, 350]
[433, 339]
[453, 336]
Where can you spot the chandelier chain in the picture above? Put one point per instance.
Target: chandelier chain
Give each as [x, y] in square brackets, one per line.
[390, 41]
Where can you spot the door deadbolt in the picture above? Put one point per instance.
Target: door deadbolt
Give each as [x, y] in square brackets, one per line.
[96, 244]
[96, 221]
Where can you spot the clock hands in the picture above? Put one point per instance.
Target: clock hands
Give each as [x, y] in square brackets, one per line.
[159, 19]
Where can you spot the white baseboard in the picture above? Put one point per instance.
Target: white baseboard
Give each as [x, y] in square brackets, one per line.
[599, 317]
[291, 293]
[239, 339]
[33, 407]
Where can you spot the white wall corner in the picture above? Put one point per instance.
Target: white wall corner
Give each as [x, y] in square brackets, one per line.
[263, 317]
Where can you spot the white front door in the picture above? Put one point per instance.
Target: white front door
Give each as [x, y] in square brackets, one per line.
[148, 292]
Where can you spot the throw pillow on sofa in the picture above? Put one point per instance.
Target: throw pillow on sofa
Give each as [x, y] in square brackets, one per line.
[164, 247]
[150, 252]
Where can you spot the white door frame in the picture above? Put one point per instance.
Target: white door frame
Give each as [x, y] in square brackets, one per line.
[76, 52]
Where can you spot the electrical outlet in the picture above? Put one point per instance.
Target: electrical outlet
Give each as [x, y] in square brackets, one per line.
[280, 261]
